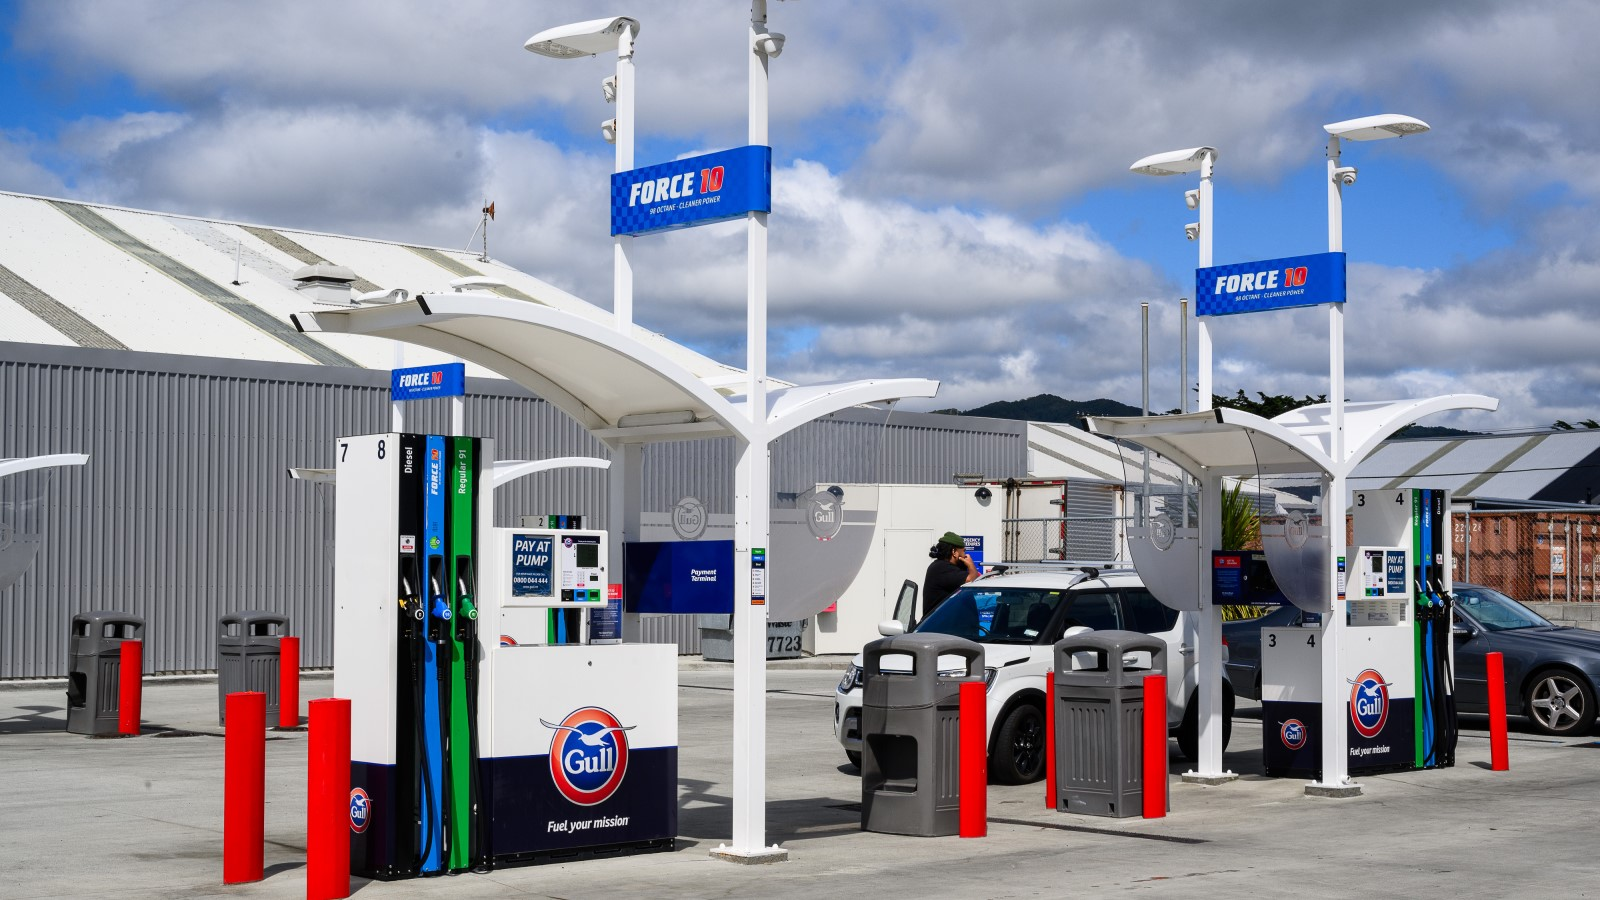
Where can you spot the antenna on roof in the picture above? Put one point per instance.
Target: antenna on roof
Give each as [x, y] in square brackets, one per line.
[483, 225]
[238, 261]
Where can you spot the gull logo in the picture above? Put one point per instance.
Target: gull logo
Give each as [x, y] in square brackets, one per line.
[688, 519]
[825, 513]
[1293, 734]
[588, 755]
[1369, 703]
[360, 810]
[1162, 531]
[1296, 528]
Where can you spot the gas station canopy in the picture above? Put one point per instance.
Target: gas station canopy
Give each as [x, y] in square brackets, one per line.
[619, 388]
[29, 463]
[1232, 442]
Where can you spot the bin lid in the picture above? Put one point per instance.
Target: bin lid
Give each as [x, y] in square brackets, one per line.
[1118, 642]
[108, 617]
[925, 650]
[248, 616]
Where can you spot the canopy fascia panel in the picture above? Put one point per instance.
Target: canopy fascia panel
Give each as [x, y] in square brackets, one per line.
[1224, 441]
[591, 372]
[1217, 441]
[1370, 423]
[601, 378]
[502, 472]
[22, 464]
[790, 407]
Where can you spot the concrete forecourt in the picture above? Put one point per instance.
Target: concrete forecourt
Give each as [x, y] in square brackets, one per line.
[142, 817]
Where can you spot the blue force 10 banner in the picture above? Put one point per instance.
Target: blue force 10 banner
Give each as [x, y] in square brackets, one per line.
[695, 191]
[422, 382]
[1269, 284]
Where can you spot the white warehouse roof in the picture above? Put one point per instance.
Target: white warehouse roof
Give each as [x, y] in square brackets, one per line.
[90, 275]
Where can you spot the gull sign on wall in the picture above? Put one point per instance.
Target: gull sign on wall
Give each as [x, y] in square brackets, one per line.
[1269, 284]
[695, 191]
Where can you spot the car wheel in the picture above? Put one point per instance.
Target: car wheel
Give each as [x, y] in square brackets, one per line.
[1189, 731]
[855, 757]
[1018, 756]
[1560, 702]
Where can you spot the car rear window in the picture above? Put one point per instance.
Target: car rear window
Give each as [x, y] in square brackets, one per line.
[1096, 609]
[1145, 613]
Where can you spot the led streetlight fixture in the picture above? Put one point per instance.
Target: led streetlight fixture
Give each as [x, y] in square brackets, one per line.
[1376, 128]
[1175, 162]
[580, 38]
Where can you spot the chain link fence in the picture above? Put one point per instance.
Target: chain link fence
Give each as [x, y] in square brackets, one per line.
[1058, 538]
[1536, 556]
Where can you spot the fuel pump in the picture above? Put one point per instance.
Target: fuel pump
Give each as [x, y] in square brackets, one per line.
[470, 753]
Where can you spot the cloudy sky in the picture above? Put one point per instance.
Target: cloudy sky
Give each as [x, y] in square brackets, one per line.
[952, 195]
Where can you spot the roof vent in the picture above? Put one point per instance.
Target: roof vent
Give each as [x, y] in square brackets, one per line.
[326, 283]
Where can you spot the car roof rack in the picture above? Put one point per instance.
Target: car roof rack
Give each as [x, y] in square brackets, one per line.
[1091, 569]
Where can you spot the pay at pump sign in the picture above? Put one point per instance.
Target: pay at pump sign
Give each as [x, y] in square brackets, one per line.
[530, 565]
[1270, 284]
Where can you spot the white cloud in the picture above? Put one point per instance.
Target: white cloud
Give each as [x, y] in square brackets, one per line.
[925, 153]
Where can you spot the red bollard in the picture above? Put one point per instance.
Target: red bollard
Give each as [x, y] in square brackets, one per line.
[974, 760]
[1050, 739]
[245, 787]
[328, 800]
[130, 687]
[289, 682]
[1155, 746]
[1499, 743]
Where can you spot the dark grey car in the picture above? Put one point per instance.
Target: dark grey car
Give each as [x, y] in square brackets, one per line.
[1552, 671]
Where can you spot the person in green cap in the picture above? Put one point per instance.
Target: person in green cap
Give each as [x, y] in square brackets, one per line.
[950, 569]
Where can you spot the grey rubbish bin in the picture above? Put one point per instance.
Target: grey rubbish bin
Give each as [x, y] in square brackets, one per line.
[247, 657]
[910, 734]
[94, 681]
[1100, 720]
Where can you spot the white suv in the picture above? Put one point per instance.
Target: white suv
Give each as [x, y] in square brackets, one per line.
[1018, 617]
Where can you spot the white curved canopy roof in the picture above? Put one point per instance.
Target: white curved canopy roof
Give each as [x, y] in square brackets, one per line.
[1231, 442]
[29, 463]
[503, 471]
[614, 385]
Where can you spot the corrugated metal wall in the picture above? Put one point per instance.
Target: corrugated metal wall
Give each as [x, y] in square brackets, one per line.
[186, 512]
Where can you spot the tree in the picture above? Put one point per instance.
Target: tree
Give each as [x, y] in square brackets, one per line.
[1241, 525]
[1269, 406]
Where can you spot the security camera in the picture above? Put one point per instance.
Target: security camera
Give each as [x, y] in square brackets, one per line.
[1345, 175]
[1192, 230]
[608, 130]
[1191, 199]
[770, 44]
[608, 87]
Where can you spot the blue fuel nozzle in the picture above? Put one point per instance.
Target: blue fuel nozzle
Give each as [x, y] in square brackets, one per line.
[441, 609]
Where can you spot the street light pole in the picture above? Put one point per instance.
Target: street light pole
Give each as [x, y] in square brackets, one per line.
[1207, 632]
[625, 476]
[622, 244]
[752, 511]
[579, 40]
[1336, 739]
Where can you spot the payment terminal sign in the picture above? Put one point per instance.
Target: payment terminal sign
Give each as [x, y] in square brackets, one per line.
[1270, 284]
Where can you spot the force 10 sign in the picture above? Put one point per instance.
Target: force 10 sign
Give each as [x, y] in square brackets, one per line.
[1269, 284]
[421, 382]
[694, 191]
